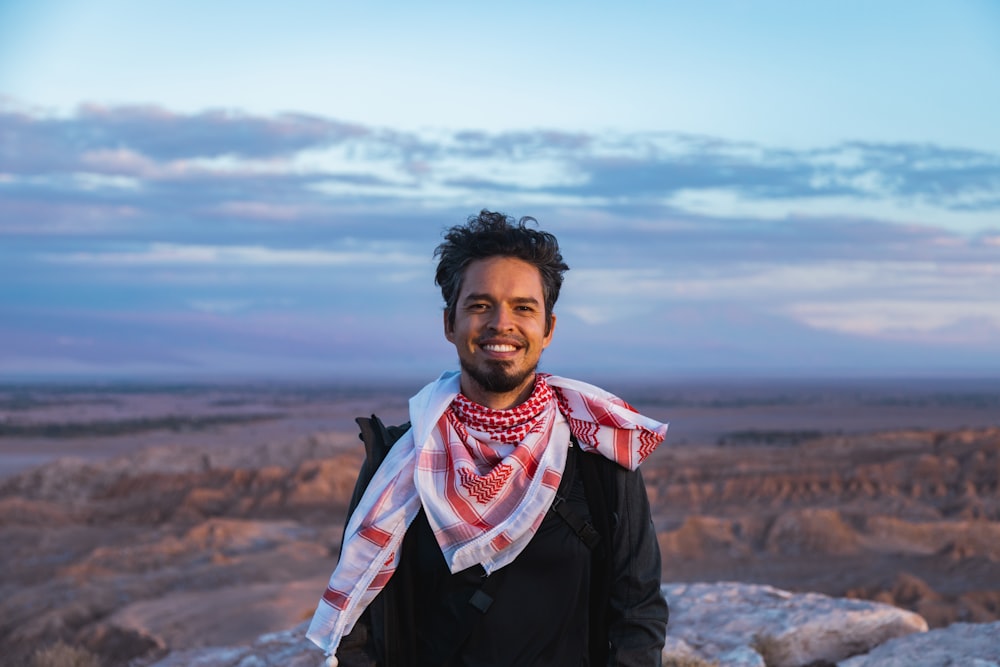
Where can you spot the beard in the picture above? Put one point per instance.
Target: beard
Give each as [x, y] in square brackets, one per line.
[498, 377]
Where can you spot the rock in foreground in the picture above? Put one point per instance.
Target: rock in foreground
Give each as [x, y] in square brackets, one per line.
[735, 624]
[728, 624]
[976, 645]
[284, 649]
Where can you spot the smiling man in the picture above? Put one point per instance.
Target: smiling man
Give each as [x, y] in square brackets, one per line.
[507, 523]
[499, 327]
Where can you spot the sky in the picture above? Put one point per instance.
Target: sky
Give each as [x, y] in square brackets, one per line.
[741, 189]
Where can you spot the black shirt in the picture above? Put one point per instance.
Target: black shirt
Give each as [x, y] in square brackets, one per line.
[549, 628]
[539, 614]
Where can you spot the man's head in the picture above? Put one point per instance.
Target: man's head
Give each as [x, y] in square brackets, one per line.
[491, 234]
[500, 281]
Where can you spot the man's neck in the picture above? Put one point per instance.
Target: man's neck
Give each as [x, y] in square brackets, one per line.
[496, 400]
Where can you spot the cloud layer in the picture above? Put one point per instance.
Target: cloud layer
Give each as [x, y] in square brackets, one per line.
[139, 240]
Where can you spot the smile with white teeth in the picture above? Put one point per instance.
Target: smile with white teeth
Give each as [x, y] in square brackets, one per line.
[499, 348]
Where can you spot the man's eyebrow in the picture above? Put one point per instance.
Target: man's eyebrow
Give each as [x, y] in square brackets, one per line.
[487, 297]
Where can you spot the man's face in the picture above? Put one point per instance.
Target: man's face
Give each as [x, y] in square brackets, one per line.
[499, 330]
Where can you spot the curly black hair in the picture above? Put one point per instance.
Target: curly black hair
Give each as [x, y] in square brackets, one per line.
[492, 234]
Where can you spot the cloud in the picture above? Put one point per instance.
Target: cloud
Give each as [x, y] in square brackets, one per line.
[939, 321]
[948, 178]
[297, 231]
[225, 156]
[169, 253]
[40, 141]
[915, 300]
[959, 177]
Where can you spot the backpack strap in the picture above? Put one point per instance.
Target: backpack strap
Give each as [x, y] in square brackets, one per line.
[378, 439]
[600, 477]
[583, 528]
[376, 632]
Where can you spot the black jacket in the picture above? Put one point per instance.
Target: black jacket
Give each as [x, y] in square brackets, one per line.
[627, 612]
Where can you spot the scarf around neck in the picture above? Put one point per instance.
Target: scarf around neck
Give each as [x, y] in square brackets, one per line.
[485, 479]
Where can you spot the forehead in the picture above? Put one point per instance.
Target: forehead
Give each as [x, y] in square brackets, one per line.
[502, 275]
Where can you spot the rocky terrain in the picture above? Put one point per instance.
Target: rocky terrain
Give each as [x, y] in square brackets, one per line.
[168, 536]
[712, 625]
[911, 518]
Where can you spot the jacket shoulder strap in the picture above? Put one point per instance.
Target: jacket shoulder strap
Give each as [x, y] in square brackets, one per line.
[378, 439]
[583, 528]
[600, 484]
[376, 632]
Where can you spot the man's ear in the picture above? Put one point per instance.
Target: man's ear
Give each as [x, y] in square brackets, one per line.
[449, 330]
[551, 330]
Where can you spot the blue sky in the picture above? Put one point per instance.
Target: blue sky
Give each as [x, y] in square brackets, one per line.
[740, 188]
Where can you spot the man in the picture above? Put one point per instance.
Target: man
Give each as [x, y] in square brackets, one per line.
[509, 524]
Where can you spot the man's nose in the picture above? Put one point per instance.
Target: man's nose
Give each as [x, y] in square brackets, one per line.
[503, 319]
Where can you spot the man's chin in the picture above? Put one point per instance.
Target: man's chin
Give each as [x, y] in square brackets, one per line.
[498, 377]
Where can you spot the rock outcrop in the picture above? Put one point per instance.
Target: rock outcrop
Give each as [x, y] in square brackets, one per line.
[908, 517]
[966, 644]
[173, 548]
[729, 622]
[726, 624]
[168, 548]
[279, 649]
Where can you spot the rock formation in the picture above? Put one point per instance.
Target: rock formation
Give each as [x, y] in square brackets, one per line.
[168, 550]
[972, 645]
[725, 624]
[728, 623]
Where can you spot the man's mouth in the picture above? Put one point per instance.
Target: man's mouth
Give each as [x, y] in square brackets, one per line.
[499, 347]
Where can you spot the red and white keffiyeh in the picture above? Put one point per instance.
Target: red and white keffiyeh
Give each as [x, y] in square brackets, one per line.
[485, 479]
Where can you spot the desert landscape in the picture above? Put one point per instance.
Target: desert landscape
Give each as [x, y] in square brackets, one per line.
[141, 520]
